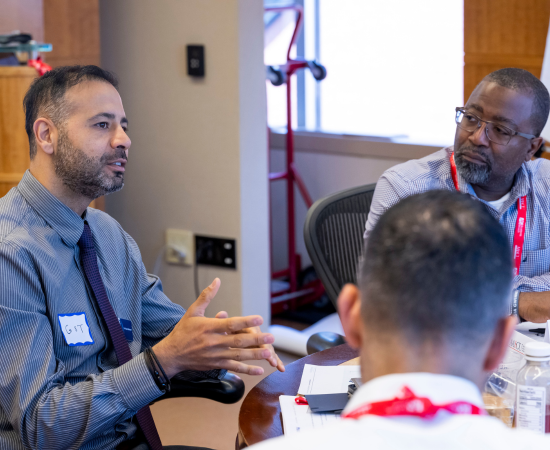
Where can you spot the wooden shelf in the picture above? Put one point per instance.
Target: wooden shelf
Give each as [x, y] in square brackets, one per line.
[14, 145]
[11, 177]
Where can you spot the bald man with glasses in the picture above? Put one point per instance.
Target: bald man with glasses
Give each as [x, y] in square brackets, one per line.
[497, 134]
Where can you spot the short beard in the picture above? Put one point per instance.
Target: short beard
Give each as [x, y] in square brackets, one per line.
[84, 175]
[471, 172]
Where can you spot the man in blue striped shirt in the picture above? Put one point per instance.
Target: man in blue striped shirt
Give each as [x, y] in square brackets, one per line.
[497, 134]
[61, 386]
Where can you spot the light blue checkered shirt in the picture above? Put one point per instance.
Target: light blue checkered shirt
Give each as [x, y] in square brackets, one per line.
[532, 180]
[52, 395]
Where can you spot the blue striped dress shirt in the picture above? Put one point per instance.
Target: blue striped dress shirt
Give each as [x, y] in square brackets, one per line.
[52, 395]
[532, 180]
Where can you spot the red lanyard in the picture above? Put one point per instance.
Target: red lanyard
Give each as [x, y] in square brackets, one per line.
[519, 233]
[408, 404]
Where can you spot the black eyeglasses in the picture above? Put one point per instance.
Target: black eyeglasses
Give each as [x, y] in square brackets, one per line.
[495, 132]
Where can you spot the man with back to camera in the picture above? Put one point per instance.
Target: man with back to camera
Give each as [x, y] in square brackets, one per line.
[426, 336]
[497, 134]
[78, 312]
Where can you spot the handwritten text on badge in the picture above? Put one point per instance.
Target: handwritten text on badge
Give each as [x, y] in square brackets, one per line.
[75, 329]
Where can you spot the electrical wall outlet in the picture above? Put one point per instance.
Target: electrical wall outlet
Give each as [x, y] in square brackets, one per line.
[180, 247]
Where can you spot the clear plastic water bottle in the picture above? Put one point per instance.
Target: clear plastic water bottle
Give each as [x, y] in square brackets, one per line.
[533, 389]
[500, 394]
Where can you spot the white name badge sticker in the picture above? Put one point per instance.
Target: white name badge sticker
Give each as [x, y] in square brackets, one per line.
[75, 329]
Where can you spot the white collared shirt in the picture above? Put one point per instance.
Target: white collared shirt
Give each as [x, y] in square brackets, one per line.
[434, 172]
[444, 431]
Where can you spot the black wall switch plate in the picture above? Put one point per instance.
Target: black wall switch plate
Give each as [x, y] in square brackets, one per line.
[195, 60]
[213, 251]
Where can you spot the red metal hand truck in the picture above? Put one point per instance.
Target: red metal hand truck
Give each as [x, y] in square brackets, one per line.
[293, 295]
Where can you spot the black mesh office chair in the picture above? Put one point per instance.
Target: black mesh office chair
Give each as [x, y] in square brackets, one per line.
[333, 235]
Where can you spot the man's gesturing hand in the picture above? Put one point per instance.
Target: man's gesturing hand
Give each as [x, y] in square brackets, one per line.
[273, 359]
[201, 343]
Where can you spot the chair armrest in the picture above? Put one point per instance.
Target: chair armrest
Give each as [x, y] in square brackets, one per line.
[230, 389]
[321, 341]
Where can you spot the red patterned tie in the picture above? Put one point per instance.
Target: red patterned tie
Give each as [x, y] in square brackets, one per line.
[122, 350]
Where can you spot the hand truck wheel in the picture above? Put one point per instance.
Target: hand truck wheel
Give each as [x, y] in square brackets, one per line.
[276, 76]
[318, 71]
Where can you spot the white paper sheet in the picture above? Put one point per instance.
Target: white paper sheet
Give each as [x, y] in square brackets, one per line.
[327, 379]
[522, 336]
[526, 326]
[297, 418]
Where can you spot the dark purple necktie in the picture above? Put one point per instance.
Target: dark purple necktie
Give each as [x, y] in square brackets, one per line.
[122, 350]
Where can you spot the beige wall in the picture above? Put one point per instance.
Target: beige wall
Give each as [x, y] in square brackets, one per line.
[198, 159]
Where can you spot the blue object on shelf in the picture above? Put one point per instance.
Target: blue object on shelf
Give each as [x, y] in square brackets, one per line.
[25, 48]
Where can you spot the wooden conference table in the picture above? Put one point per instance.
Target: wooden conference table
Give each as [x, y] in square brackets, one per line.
[260, 414]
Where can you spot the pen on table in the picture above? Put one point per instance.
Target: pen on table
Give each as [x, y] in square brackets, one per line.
[537, 330]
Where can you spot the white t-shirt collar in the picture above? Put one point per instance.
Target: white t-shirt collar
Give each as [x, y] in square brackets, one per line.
[498, 203]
